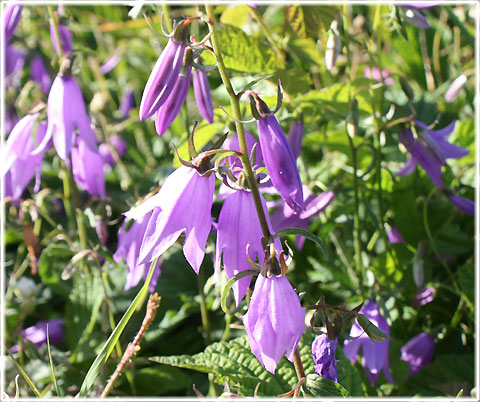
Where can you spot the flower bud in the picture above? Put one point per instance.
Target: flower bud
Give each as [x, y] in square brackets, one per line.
[333, 46]
[373, 332]
[455, 87]
[406, 88]
[323, 351]
[203, 97]
[65, 38]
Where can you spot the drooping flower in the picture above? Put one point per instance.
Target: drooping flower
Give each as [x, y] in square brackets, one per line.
[295, 137]
[280, 162]
[455, 87]
[375, 354]
[164, 75]
[11, 17]
[284, 217]
[16, 157]
[418, 352]
[65, 38]
[231, 143]
[116, 142]
[67, 113]
[323, 351]
[394, 236]
[274, 321]
[463, 204]
[377, 75]
[174, 214]
[110, 63]
[37, 334]
[128, 249]
[87, 167]
[238, 226]
[40, 74]
[203, 97]
[127, 103]
[168, 111]
[424, 296]
[429, 150]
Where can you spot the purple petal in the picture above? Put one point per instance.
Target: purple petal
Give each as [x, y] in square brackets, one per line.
[408, 168]
[110, 63]
[203, 97]
[65, 38]
[128, 102]
[455, 87]
[418, 352]
[463, 204]
[323, 351]
[11, 17]
[40, 74]
[394, 236]
[295, 137]
[87, 167]
[415, 18]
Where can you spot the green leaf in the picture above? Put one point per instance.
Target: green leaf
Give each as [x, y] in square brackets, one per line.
[466, 279]
[294, 81]
[348, 375]
[234, 362]
[51, 264]
[320, 386]
[26, 377]
[235, 15]
[306, 21]
[242, 52]
[160, 380]
[229, 284]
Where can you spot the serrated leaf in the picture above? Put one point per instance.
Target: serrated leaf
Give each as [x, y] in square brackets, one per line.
[234, 362]
[320, 386]
[242, 52]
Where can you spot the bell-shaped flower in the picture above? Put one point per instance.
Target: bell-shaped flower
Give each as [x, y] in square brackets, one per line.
[463, 204]
[118, 143]
[284, 217]
[37, 334]
[295, 137]
[232, 144]
[11, 16]
[424, 296]
[274, 321]
[162, 80]
[429, 150]
[418, 352]
[238, 226]
[66, 114]
[375, 354]
[280, 162]
[203, 97]
[394, 236]
[40, 74]
[16, 157]
[168, 111]
[87, 168]
[183, 205]
[65, 38]
[323, 351]
[130, 238]
[127, 103]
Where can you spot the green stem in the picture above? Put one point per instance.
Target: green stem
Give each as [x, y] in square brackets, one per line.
[203, 306]
[67, 195]
[280, 52]
[166, 13]
[297, 362]
[239, 126]
[55, 28]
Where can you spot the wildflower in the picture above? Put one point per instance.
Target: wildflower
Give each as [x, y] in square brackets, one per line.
[37, 334]
[165, 73]
[463, 204]
[129, 242]
[168, 111]
[274, 321]
[40, 74]
[65, 38]
[67, 113]
[173, 215]
[16, 157]
[375, 354]
[116, 142]
[238, 226]
[127, 103]
[232, 144]
[87, 167]
[375, 74]
[455, 87]
[295, 138]
[11, 16]
[284, 217]
[110, 63]
[424, 296]
[418, 352]
[203, 97]
[394, 236]
[323, 351]
[429, 151]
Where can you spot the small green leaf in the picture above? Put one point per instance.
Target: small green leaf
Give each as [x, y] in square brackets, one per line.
[229, 284]
[319, 386]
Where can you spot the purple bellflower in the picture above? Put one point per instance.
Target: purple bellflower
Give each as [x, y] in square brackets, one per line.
[37, 334]
[11, 16]
[323, 351]
[165, 73]
[168, 111]
[110, 63]
[463, 204]
[14, 62]
[116, 142]
[203, 97]
[67, 113]
[16, 157]
[128, 249]
[429, 151]
[127, 103]
[455, 87]
[231, 143]
[65, 38]
[284, 217]
[238, 226]
[394, 236]
[418, 352]
[40, 74]
[375, 354]
[424, 296]
[280, 162]
[295, 138]
[87, 167]
[415, 18]
[173, 215]
[274, 321]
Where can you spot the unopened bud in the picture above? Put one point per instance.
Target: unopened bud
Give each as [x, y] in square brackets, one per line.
[455, 87]
[352, 121]
[333, 46]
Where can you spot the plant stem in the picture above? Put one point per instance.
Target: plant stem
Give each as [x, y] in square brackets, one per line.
[239, 126]
[297, 362]
[55, 28]
[166, 13]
